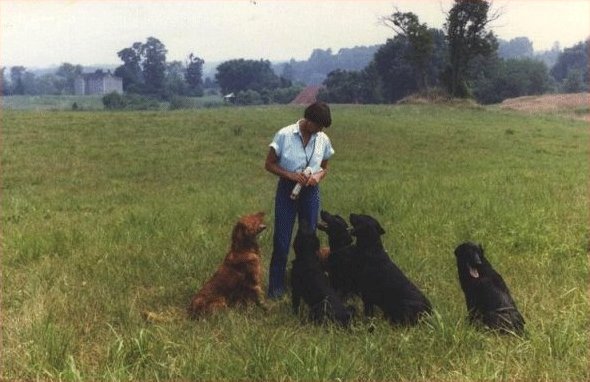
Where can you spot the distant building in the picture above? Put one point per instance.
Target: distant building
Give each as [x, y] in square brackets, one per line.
[98, 83]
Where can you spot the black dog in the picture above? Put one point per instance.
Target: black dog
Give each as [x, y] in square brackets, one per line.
[487, 296]
[381, 282]
[342, 267]
[308, 281]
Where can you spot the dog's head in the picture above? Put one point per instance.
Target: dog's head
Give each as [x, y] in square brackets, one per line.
[336, 227]
[247, 228]
[366, 228]
[306, 242]
[470, 258]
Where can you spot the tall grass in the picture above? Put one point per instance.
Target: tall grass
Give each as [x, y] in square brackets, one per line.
[110, 221]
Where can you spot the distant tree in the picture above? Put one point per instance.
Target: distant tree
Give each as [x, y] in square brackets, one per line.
[321, 62]
[420, 39]
[342, 86]
[519, 47]
[154, 65]
[396, 75]
[240, 75]
[499, 79]
[68, 72]
[30, 84]
[16, 80]
[573, 62]
[288, 71]
[574, 82]
[194, 75]
[4, 82]
[549, 57]
[131, 71]
[468, 38]
[49, 84]
[175, 79]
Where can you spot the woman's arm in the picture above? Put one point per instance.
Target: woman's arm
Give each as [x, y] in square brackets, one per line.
[272, 165]
[320, 175]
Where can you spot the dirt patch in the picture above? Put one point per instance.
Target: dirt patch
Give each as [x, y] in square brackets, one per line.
[307, 95]
[576, 105]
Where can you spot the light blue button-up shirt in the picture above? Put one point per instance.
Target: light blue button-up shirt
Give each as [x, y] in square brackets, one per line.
[288, 145]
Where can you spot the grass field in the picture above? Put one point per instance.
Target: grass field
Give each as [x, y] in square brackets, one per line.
[89, 103]
[109, 218]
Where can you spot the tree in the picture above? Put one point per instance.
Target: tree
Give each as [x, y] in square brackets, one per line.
[574, 82]
[395, 73]
[154, 53]
[4, 90]
[68, 72]
[175, 74]
[49, 84]
[343, 86]
[573, 63]
[239, 75]
[420, 39]
[194, 75]
[131, 71]
[468, 38]
[519, 47]
[499, 79]
[16, 80]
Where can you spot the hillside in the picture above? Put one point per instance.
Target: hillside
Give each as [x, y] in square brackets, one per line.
[576, 105]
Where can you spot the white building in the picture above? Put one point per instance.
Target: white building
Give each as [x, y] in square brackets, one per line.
[98, 83]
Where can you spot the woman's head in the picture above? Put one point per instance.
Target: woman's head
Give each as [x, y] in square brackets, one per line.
[318, 113]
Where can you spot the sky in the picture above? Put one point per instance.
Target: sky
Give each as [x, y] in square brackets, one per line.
[43, 33]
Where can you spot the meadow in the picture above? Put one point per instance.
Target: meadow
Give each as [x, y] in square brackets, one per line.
[112, 220]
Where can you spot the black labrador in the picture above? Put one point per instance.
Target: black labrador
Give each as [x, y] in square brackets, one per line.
[381, 282]
[486, 294]
[342, 267]
[310, 283]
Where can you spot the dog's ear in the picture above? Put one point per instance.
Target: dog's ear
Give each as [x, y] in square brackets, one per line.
[380, 229]
[480, 249]
[239, 233]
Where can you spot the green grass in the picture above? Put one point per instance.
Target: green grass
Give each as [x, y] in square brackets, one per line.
[89, 103]
[47, 102]
[107, 216]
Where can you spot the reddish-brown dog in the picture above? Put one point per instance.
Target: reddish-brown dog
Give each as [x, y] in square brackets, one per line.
[238, 279]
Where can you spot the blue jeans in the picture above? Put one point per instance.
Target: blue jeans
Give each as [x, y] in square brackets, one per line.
[307, 207]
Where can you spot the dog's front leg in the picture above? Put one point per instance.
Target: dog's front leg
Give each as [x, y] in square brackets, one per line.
[258, 299]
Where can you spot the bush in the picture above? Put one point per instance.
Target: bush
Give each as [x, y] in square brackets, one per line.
[248, 97]
[178, 102]
[115, 101]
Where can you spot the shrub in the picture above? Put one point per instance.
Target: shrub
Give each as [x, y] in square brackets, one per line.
[113, 101]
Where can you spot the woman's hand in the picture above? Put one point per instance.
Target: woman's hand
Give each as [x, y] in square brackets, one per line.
[299, 177]
[314, 179]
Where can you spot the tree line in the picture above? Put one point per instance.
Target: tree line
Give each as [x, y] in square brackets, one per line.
[461, 60]
[464, 59]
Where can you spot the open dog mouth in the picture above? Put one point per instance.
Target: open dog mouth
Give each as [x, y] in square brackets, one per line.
[473, 272]
[322, 226]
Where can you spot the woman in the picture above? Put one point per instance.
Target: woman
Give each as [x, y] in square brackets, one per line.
[295, 148]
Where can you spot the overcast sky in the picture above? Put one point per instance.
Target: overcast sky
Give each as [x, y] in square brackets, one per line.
[39, 33]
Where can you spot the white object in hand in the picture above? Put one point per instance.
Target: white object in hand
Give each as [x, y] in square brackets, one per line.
[297, 188]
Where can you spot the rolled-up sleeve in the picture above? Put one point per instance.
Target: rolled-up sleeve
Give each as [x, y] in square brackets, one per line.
[277, 143]
[328, 149]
